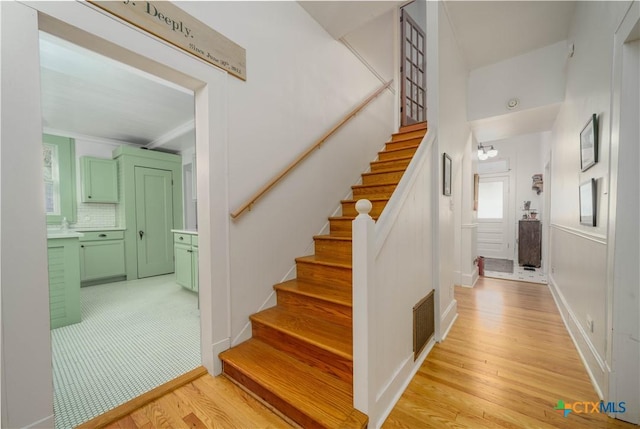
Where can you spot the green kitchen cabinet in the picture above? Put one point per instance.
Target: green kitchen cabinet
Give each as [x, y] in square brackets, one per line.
[99, 180]
[186, 254]
[102, 257]
[64, 281]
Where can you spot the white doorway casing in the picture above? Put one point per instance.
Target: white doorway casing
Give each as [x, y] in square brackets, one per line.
[623, 252]
[26, 370]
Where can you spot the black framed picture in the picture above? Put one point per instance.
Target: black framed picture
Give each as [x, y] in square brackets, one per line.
[588, 203]
[589, 144]
[446, 174]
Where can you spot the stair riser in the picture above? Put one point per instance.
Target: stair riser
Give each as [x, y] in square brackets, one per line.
[349, 209]
[323, 273]
[402, 143]
[410, 134]
[308, 353]
[307, 305]
[340, 228]
[274, 400]
[385, 155]
[334, 249]
[384, 191]
[374, 179]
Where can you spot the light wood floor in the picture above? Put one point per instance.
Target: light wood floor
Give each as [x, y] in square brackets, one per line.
[505, 364]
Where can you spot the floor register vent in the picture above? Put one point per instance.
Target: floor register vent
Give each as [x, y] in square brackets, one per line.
[423, 323]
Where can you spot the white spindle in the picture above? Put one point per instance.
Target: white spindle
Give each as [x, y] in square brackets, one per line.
[363, 259]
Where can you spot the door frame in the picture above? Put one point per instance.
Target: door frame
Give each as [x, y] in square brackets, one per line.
[403, 88]
[622, 353]
[27, 392]
[510, 211]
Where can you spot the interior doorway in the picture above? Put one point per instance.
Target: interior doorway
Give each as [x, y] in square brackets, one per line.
[494, 240]
[137, 334]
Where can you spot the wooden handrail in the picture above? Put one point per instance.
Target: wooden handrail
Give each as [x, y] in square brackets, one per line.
[255, 197]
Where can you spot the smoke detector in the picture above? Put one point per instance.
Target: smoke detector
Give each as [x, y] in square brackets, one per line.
[513, 103]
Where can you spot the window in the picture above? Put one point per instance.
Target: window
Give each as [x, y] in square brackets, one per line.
[490, 200]
[58, 156]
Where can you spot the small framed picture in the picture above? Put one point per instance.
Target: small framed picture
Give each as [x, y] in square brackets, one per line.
[446, 174]
[588, 200]
[589, 144]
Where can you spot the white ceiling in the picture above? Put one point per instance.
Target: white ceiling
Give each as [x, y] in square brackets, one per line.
[87, 94]
[491, 31]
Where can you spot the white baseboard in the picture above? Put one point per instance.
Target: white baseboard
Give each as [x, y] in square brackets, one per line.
[46, 423]
[218, 348]
[391, 393]
[448, 318]
[469, 279]
[591, 359]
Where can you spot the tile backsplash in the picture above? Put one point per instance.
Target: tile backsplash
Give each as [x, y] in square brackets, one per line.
[96, 215]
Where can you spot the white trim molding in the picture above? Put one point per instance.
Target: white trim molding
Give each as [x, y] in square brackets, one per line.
[597, 238]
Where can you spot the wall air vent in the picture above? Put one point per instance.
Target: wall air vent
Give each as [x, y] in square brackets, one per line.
[423, 323]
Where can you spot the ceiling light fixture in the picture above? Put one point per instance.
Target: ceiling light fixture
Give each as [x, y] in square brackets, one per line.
[486, 152]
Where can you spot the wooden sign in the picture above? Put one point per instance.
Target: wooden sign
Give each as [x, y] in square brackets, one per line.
[170, 23]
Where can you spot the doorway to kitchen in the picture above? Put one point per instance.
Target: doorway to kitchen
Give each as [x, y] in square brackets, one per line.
[137, 334]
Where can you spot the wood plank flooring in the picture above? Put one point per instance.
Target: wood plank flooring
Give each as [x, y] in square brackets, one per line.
[505, 364]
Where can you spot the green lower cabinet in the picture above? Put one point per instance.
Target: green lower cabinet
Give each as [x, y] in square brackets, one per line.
[186, 254]
[64, 281]
[102, 257]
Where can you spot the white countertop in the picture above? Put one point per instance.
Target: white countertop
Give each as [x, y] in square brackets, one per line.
[98, 228]
[185, 231]
[52, 233]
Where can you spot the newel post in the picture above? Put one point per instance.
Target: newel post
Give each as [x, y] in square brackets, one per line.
[363, 272]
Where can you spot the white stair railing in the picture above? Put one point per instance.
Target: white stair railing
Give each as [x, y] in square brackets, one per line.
[392, 270]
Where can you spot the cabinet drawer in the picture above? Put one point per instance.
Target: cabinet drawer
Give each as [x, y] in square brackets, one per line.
[182, 238]
[102, 235]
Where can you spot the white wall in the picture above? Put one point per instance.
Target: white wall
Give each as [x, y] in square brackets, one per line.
[293, 94]
[578, 252]
[375, 43]
[453, 138]
[535, 78]
[418, 12]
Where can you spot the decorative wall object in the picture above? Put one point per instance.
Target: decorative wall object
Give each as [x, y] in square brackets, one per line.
[537, 183]
[446, 173]
[588, 203]
[476, 185]
[589, 144]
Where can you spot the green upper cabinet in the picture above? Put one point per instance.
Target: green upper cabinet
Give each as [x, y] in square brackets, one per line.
[99, 180]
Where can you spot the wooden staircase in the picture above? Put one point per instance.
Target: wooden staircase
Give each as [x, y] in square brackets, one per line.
[299, 359]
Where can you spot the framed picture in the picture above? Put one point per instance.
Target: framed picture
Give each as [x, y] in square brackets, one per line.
[588, 203]
[446, 174]
[589, 144]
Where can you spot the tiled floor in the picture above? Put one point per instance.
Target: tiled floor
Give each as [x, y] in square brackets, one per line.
[134, 336]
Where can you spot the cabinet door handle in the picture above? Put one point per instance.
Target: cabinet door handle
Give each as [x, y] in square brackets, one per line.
[89, 196]
[190, 251]
[180, 238]
[102, 235]
[82, 245]
[141, 233]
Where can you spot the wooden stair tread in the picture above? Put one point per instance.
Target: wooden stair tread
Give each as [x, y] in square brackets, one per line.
[404, 139]
[390, 161]
[329, 336]
[370, 199]
[314, 259]
[414, 127]
[326, 292]
[381, 172]
[332, 237]
[413, 146]
[373, 185]
[348, 217]
[319, 396]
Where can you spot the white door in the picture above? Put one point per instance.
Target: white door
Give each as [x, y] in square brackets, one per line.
[493, 224]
